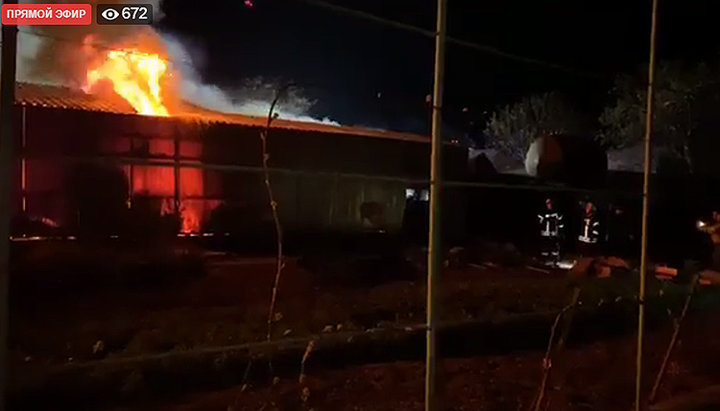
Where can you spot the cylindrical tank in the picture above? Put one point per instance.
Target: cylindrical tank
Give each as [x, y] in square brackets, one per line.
[574, 160]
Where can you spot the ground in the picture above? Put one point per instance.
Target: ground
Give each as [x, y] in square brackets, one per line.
[228, 306]
[601, 377]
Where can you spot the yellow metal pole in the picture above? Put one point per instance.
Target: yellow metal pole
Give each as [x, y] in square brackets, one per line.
[646, 200]
[434, 246]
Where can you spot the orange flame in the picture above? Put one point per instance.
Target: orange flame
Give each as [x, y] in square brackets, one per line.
[135, 76]
[139, 73]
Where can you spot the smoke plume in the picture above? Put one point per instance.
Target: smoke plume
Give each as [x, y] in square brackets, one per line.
[61, 55]
[252, 96]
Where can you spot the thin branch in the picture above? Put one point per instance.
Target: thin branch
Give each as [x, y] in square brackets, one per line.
[244, 383]
[673, 340]
[547, 359]
[273, 207]
[306, 356]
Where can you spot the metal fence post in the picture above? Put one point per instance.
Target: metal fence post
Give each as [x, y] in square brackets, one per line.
[434, 246]
[646, 200]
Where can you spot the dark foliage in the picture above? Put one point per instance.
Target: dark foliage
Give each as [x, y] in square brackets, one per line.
[512, 128]
[687, 99]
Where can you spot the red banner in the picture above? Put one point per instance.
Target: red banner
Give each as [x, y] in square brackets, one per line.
[47, 14]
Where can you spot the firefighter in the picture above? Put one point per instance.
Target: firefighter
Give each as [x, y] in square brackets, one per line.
[589, 230]
[551, 229]
[713, 230]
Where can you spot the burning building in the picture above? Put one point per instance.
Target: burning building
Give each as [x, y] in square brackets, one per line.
[118, 133]
[195, 161]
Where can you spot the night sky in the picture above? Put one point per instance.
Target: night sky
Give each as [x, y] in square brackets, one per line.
[345, 62]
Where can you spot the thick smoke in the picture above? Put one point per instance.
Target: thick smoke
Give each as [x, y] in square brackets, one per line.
[61, 55]
[251, 97]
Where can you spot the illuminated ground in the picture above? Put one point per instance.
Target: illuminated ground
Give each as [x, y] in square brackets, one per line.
[229, 306]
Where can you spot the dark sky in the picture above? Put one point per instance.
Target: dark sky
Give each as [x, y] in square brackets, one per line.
[345, 62]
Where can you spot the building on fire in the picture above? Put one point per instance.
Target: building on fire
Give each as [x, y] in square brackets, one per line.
[197, 162]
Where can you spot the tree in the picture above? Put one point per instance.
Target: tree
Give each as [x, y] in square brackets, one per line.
[682, 112]
[512, 128]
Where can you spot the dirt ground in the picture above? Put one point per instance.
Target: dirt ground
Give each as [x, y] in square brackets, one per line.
[229, 306]
[600, 377]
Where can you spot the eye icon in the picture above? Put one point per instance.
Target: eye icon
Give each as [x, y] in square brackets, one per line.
[110, 14]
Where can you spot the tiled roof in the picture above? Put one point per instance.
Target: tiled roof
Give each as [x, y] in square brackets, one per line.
[38, 95]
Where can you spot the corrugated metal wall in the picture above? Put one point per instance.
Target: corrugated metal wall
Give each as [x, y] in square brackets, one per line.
[54, 140]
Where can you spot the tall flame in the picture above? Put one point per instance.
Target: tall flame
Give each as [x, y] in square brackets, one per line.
[135, 76]
[141, 76]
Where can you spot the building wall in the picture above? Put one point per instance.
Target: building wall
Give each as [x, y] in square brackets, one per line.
[53, 140]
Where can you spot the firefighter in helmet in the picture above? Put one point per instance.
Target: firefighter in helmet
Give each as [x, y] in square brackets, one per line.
[551, 230]
[589, 230]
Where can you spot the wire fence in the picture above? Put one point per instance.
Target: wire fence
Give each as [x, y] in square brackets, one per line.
[325, 303]
[392, 319]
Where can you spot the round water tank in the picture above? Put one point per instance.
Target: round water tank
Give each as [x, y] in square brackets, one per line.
[568, 159]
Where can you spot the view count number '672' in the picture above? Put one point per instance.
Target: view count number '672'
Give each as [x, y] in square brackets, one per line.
[124, 14]
[76, 14]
